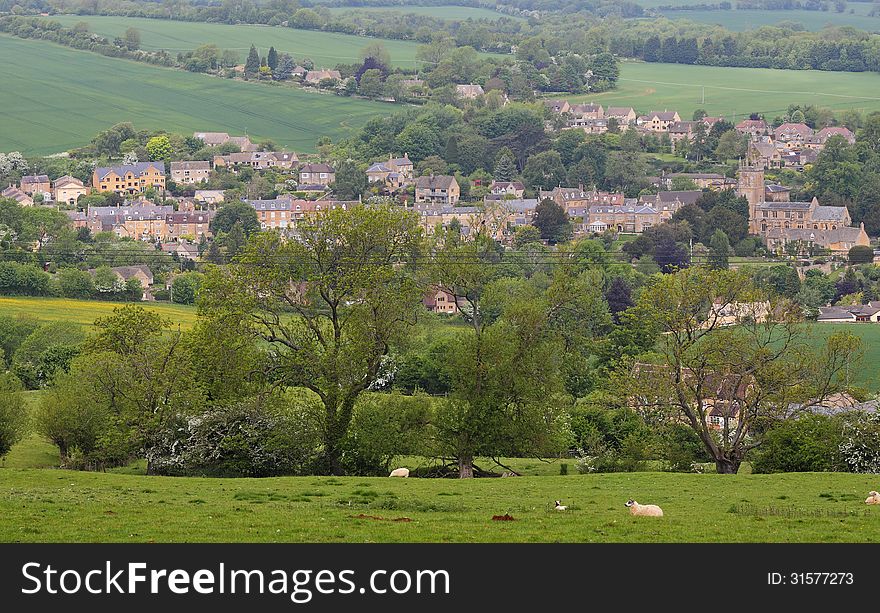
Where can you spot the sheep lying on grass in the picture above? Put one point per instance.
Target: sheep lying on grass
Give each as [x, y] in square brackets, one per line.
[873, 498]
[559, 506]
[647, 510]
[399, 472]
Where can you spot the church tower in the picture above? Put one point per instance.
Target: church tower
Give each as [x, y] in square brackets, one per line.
[750, 183]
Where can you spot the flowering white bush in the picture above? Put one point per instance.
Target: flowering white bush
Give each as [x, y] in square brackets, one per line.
[860, 449]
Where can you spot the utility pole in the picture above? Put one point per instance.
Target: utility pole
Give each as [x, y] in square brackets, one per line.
[703, 101]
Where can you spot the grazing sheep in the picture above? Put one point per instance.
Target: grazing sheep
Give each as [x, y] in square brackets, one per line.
[873, 498]
[399, 472]
[559, 506]
[647, 510]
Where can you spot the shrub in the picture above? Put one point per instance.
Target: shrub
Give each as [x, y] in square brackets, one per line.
[384, 426]
[79, 427]
[24, 280]
[681, 448]
[13, 414]
[807, 444]
[185, 287]
[47, 351]
[75, 283]
[861, 254]
[258, 437]
[860, 442]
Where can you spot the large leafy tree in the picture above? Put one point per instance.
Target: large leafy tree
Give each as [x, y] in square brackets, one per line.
[236, 212]
[731, 360]
[351, 181]
[329, 304]
[504, 367]
[553, 222]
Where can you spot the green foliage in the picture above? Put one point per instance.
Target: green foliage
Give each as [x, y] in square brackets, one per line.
[254, 438]
[23, 280]
[351, 301]
[861, 254]
[383, 427]
[46, 352]
[552, 221]
[13, 413]
[75, 283]
[185, 287]
[236, 212]
[808, 443]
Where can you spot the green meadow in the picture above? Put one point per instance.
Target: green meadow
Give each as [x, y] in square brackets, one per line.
[53, 505]
[451, 13]
[855, 15]
[325, 49]
[85, 312]
[734, 93]
[67, 96]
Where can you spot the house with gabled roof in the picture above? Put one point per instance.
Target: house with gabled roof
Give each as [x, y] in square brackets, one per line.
[35, 184]
[792, 133]
[129, 178]
[196, 171]
[755, 128]
[557, 107]
[469, 92]
[437, 189]
[658, 121]
[19, 196]
[314, 77]
[625, 115]
[317, 174]
[68, 189]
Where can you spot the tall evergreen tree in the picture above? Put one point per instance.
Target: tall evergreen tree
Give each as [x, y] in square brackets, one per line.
[505, 166]
[553, 222]
[451, 154]
[285, 68]
[272, 58]
[252, 65]
[619, 297]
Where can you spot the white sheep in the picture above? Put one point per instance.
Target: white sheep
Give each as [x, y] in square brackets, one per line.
[399, 472]
[559, 506]
[647, 510]
[873, 498]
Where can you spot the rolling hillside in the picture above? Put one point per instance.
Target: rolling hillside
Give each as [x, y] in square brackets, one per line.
[66, 96]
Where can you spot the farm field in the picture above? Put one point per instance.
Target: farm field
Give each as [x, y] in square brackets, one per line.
[325, 49]
[734, 93]
[451, 13]
[85, 312]
[66, 506]
[87, 95]
[868, 375]
[741, 20]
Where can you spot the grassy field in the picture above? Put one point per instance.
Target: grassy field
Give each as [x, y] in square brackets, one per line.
[452, 13]
[741, 20]
[734, 93]
[84, 312]
[324, 48]
[868, 375]
[66, 96]
[66, 506]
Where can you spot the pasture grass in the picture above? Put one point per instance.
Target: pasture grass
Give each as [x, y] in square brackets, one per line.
[85, 312]
[740, 20]
[66, 506]
[325, 49]
[734, 93]
[450, 13]
[67, 96]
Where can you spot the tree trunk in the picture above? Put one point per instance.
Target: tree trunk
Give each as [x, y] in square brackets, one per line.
[466, 467]
[727, 466]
